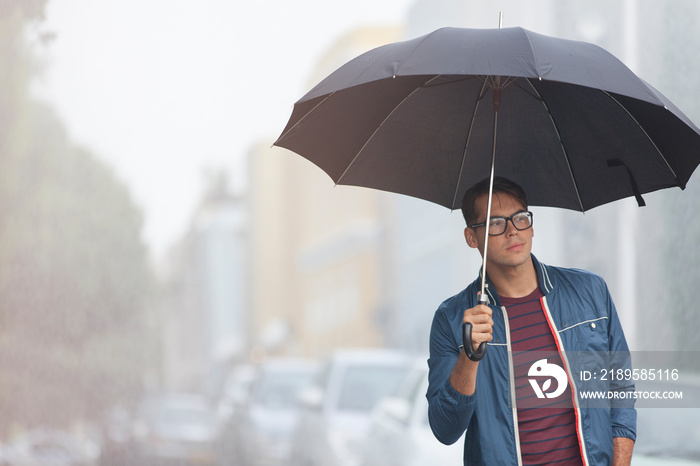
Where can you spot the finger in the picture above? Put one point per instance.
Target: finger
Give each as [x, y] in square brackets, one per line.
[479, 338]
[481, 320]
[482, 328]
[478, 310]
[478, 319]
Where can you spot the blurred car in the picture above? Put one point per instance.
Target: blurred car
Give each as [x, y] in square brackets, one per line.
[400, 434]
[272, 413]
[336, 412]
[50, 448]
[177, 428]
[667, 435]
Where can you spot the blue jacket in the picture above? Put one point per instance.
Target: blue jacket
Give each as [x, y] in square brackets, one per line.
[582, 316]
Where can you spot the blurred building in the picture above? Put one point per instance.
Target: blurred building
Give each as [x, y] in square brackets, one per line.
[206, 299]
[317, 268]
[274, 225]
[317, 260]
[319, 276]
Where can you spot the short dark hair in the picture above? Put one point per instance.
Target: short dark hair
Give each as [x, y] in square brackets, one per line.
[500, 185]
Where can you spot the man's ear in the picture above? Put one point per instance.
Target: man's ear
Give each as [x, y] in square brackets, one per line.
[470, 236]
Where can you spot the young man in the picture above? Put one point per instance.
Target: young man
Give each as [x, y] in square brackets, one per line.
[539, 318]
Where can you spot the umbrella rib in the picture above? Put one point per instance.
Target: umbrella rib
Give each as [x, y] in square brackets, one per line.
[450, 82]
[658, 151]
[379, 126]
[561, 144]
[307, 114]
[466, 144]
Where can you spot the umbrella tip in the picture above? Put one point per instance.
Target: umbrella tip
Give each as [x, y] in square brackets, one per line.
[500, 20]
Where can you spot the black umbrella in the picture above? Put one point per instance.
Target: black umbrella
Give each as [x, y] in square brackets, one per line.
[429, 117]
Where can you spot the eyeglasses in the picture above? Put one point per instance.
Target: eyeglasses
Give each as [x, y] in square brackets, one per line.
[498, 225]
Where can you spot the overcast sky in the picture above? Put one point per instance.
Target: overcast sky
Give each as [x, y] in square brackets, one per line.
[162, 89]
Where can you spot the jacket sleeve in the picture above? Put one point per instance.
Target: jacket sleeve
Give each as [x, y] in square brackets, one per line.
[449, 411]
[623, 414]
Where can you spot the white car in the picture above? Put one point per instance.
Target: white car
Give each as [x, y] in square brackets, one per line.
[668, 431]
[271, 416]
[400, 434]
[336, 414]
[667, 437]
[176, 428]
[50, 448]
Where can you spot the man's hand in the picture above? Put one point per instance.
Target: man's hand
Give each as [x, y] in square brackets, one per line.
[463, 377]
[482, 324]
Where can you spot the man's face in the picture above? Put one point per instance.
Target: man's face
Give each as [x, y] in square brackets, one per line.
[510, 249]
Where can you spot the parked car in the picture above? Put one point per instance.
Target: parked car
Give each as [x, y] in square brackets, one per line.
[400, 434]
[272, 413]
[50, 448]
[336, 411]
[668, 435]
[176, 428]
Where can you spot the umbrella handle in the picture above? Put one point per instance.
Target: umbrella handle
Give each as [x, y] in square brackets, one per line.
[480, 352]
[468, 346]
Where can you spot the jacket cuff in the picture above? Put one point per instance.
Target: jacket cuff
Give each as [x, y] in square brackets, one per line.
[623, 432]
[457, 398]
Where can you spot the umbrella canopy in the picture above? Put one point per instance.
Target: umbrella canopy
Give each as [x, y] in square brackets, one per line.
[576, 128]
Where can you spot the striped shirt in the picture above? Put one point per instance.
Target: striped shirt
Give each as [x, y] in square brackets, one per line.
[547, 426]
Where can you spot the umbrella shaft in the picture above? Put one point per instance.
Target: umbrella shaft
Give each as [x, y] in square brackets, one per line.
[496, 108]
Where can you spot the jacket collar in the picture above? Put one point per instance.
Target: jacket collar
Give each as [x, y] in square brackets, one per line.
[545, 280]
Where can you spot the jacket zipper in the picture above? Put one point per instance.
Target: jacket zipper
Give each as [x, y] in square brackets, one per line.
[512, 388]
[574, 391]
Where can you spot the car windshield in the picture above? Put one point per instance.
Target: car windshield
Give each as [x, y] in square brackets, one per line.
[175, 415]
[363, 386]
[280, 390]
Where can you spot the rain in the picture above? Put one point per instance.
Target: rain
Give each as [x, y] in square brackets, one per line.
[174, 287]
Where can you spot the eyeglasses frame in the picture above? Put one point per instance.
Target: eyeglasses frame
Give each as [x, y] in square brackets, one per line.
[532, 222]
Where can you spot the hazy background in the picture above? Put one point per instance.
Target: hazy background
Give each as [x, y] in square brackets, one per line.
[151, 239]
[173, 87]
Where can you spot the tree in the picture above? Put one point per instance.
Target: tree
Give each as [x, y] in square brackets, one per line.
[74, 275]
